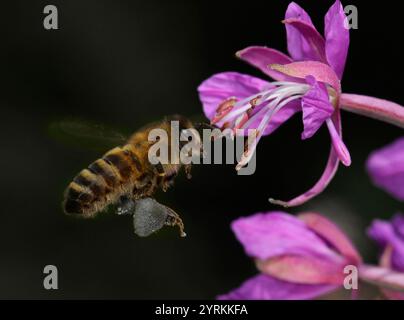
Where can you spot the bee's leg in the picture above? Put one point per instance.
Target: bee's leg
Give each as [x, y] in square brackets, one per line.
[150, 216]
[159, 169]
[126, 206]
[174, 219]
[148, 187]
[187, 168]
[167, 182]
[145, 187]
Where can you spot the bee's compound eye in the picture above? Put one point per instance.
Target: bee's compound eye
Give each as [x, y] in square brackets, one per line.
[149, 217]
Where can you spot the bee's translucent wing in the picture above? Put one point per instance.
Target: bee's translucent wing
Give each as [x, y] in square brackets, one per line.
[85, 134]
[150, 216]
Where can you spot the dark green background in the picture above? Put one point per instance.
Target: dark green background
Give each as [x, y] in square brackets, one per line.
[125, 63]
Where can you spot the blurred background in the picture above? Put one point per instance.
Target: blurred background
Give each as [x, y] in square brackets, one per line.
[125, 63]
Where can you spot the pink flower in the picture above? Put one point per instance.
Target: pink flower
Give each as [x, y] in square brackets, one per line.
[386, 168]
[304, 257]
[308, 80]
[298, 257]
[389, 235]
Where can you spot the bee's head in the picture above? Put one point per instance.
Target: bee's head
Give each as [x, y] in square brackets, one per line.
[184, 123]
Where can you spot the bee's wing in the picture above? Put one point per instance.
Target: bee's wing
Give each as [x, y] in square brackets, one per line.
[85, 134]
[150, 216]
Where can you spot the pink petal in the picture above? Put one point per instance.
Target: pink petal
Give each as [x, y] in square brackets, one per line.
[298, 46]
[385, 262]
[320, 71]
[386, 168]
[263, 287]
[224, 85]
[385, 258]
[325, 179]
[337, 37]
[262, 57]
[398, 224]
[385, 234]
[304, 269]
[316, 107]
[379, 109]
[266, 235]
[338, 144]
[313, 44]
[333, 234]
[279, 118]
[382, 277]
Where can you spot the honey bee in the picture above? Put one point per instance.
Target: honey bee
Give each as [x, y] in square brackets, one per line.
[125, 176]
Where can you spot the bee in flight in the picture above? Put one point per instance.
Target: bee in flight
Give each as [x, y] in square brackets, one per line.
[124, 176]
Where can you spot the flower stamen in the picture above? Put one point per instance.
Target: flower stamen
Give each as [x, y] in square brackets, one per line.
[223, 109]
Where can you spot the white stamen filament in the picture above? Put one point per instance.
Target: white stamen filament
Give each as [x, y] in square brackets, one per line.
[298, 91]
[271, 111]
[243, 105]
[237, 110]
[270, 101]
[284, 90]
[282, 97]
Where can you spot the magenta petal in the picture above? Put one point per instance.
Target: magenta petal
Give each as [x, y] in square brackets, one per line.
[304, 269]
[398, 225]
[333, 234]
[298, 46]
[266, 235]
[385, 233]
[382, 232]
[320, 71]
[382, 277]
[282, 116]
[313, 44]
[316, 107]
[224, 85]
[338, 144]
[386, 168]
[336, 37]
[326, 177]
[263, 287]
[279, 118]
[261, 57]
[385, 262]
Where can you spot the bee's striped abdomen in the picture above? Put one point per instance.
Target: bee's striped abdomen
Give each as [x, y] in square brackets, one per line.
[103, 169]
[120, 162]
[93, 182]
[103, 182]
[77, 198]
[86, 190]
